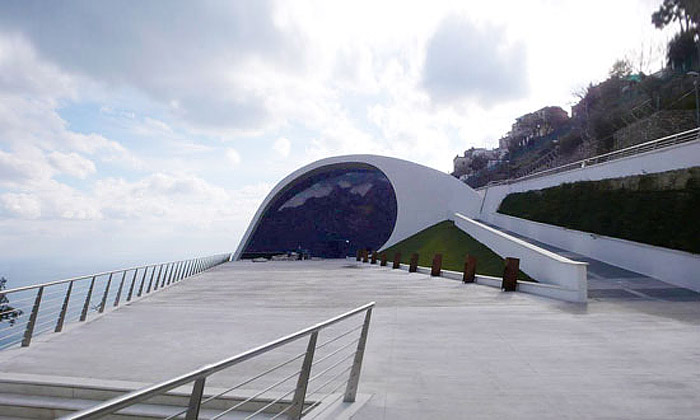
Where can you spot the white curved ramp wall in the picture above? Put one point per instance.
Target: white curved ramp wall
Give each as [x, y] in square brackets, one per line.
[424, 196]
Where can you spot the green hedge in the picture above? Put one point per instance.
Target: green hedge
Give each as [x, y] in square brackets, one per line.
[659, 209]
[447, 239]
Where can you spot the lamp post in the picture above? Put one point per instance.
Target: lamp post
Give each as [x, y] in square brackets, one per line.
[697, 99]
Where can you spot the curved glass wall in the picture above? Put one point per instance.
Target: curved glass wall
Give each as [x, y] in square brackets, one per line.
[329, 212]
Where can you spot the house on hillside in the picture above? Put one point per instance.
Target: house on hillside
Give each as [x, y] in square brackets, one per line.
[476, 159]
[538, 124]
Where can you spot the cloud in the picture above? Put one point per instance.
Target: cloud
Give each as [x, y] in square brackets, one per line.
[22, 205]
[466, 61]
[233, 156]
[27, 166]
[282, 146]
[192, 56]
[72, 164]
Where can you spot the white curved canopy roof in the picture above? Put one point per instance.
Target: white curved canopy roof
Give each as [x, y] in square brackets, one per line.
[424, 195]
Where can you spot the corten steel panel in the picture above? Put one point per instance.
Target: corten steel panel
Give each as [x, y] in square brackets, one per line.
[414, 263]
[510, 274]
[469, 269]
[437, 265]
[397, 260]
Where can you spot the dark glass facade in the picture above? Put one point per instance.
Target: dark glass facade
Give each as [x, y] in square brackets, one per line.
[329, 212]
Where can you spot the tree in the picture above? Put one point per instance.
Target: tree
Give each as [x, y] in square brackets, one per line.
[682, 50]
[7, 312]
[685, 12]
[621, 68]
[478, 163]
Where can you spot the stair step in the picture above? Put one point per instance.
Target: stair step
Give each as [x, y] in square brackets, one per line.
[41, 396]
[44, 407]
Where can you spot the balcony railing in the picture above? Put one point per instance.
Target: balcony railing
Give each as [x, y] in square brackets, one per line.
[332, 353]
[28, 311]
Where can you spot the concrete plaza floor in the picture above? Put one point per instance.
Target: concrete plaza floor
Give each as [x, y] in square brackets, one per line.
[437, 348]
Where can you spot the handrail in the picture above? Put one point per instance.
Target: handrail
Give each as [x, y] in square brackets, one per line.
[200, 374]
[673, 139]
[102, 273]
[55, 302]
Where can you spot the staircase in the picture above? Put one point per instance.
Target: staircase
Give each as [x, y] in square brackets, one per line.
[45, 397]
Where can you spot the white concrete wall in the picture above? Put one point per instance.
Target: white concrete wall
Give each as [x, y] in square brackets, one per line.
[675, 267]
[685, 155]
[565, 279]
[424, 196]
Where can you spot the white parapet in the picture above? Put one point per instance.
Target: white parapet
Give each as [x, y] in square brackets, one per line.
[558, 277]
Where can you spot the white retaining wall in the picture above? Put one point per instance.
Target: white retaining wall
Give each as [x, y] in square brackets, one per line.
[685, 155]
[671, 266]
[560, 277]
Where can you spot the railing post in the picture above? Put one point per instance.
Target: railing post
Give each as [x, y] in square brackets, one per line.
[150, 282]
[354, 379]
[104, 296]
[86, 305]
[164, 272]
[303, 380]
[32, 318]
[119, 289]
[173, 272]
[143, 279]
[168, 271]
[131, 288]
[195, 399]
[176, 273]
[180, 266]
[64, 308]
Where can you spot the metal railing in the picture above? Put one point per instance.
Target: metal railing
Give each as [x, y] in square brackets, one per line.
[293, 403]
[31, 310]
[678, 138]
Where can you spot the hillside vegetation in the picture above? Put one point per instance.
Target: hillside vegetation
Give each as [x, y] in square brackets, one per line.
[656, 209]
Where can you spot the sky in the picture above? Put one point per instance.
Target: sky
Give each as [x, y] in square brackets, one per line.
[148, 131]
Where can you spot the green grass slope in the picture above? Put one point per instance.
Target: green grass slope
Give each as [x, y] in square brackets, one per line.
[445, 238]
